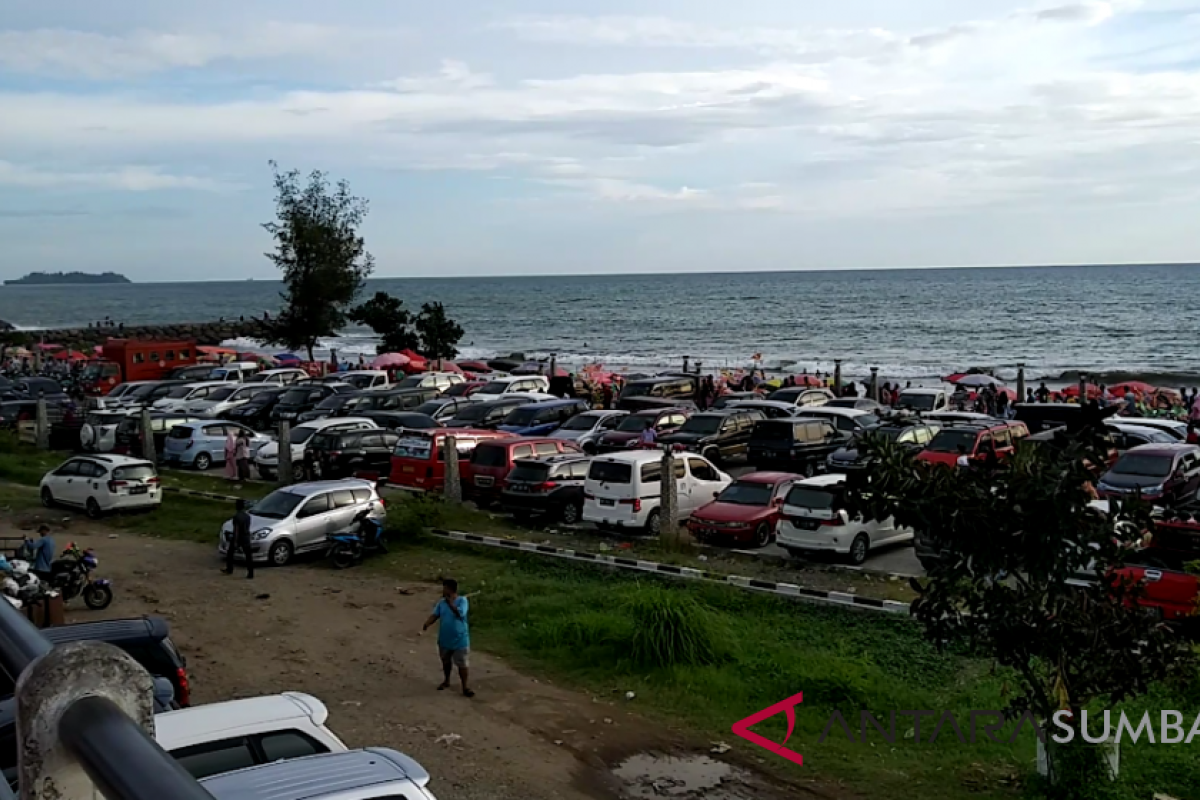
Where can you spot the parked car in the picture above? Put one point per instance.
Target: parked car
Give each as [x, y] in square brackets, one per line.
[550, 487]
[256, 412]
[305, 397]
[129, 430]
[628, 432]
[397, 399]
[99, 431]
[913, 436]
[720, 436]
[266, 459]
[624, 490]
[215, 738]
[923, 400]
[234, 371]
[442, 381]
[366, 379]
[846, 420]
[803, 396]
[814, 520]
[398, 420]
[770, 409]
[443, 408]
[973, 439]
[746, 512]
[191, 373]
[465, 389]
[794, 445]
[346, 404]
[541, 419]
[147, 392]
[284, 376]
[732, 398]
[220, 401]
[102, 483]
[1166, 474]
[663, 388]
[38, 387]
[182, 396]
[484, 475]
[201, 444]
[1174, 427]
[586, 429]
[513, 384]
[419, 459]
[1129, 436]
[298, 518]
[374, 773]
[487, 415]
[947, 417]
[340, 454]
[859, 403]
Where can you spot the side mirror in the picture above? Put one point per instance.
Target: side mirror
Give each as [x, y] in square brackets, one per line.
[778, 501]
[716, 495]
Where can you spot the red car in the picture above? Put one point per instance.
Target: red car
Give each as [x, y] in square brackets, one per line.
[1172, 595]
[973, 439]
[746, 512]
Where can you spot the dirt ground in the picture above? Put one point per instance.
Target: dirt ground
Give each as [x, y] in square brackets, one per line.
[352, 640]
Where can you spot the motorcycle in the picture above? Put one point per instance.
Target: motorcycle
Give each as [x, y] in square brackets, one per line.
[71, 576]
[350, 547]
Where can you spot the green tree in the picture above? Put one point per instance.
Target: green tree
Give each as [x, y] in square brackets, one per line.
[390, 320]
[439, 334]
[321, 254]
[1012, 534]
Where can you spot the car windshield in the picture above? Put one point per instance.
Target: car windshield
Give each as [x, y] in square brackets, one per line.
[301, 434]
[324, 441]
[105, 418]
[775, 431]
[411, 382]
[333, 401]
[788, 395]
[431, 408]
[142, 391]
[179, 392]
[610, 472]
[636, 390]
[583, 422]
[522, 417]
[702, 424]
[950, 440]
[495, 387]
[490, 455]
[135, 472]
[635, 424]
[916, 402]
[295, 396]
[181, 432]
[277, 505]
[1144, 464]
[810, 497]
[744, 493]
[529, 472]
[473, 413]
[359, 381]
[222, 393]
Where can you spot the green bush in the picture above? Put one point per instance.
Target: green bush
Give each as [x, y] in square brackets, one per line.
[412, 515]
[671, 628]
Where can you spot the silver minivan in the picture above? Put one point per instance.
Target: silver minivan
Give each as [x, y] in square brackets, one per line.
[299, 518]
[373, 773]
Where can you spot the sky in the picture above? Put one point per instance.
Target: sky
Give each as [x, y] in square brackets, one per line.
[537, 137]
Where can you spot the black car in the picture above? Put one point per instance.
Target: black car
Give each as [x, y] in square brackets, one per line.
[33, 388]
[144, 394]
[256, 412]
[305, 397]
[340, 454]
[192, 373]
[443, 408]
[914, 437]
[800, 445]
[397, 399]
[801, 395]
[489, 415]
[550, 487]
[129, 430]
[396, 420]
[662, 387]
[336, 405]
[724, 400]
[719, 436]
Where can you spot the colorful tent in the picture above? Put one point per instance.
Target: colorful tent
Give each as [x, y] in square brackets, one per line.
[390, 361]
[287, 358]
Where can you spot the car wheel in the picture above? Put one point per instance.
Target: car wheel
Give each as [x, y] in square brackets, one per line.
[713, 455]
[808, 470]
[762, 534]
[571, 513]
[203, 461]
[93, 508]
[280, 553]
[47, 497]
[654, 523]
[859, 549]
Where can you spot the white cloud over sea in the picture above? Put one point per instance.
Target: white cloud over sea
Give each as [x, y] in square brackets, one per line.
[499, 138]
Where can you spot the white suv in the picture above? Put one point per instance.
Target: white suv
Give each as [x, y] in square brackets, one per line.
[624, 490]
[812, 520]
[513, 384]
[430, 380]
[100, 483]
[266, 460]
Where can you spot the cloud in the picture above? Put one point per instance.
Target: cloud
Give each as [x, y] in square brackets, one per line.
[124, 179]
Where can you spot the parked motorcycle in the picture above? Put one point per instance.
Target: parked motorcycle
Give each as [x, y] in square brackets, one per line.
[365, 537]
[71, 575]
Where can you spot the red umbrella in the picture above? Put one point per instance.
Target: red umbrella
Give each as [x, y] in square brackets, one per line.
[448, 366]
[1137, 387]
[1093, 391]
[474, 366]
[416, 360]
[955, 378]
[390, 361]
[73, 355]
[48, 346]
[806, 380]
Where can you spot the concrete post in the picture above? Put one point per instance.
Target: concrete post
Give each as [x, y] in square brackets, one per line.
[48, 688]
[553, 365]
[1020, 383]
[453, 488]
[685, 364]
[285, 454]
[42, 423]
[699, 365]
[837, 377]
[668, 509]
[875, 384]
[1083, 380]
[149, 451]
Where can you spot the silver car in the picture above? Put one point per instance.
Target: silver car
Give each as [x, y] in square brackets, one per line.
[297, 519]
[373, 773]
[225, 398]
[586, 429]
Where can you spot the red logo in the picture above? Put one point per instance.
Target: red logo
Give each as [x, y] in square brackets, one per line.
[742, 728]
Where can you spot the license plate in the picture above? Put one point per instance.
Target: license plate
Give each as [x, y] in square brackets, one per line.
[708, 531]
[519, 488]
[484, 480]
[608, 502]
[286, 415]
[808, 524]
[409, 469]
[139, 490]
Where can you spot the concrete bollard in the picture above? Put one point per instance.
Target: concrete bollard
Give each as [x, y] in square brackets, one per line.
[42, 423]
[149, 451]
[1083, 395]
[285, 454]
[685, 364]
[668, 509]
[837, 377]
[874, 386]
[699, 366]
[1020, 383]
[553, 365]
[453, 489]
[47, 689]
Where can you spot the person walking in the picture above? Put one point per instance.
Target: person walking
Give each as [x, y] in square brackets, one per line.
[240, 541]
[454, 635]
[41, 553]
[242, 452]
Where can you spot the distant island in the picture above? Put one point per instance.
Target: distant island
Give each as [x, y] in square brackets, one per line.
[66, 279]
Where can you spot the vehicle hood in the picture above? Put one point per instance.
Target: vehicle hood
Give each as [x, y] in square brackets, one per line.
[849, 454]
[950, 459]
[684, 438]
[1121, 480]
[619, 437]
[570, 436]
[717, 511]
[269, 450]
[520, 430]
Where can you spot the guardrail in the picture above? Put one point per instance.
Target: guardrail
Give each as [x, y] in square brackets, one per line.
[85, 721]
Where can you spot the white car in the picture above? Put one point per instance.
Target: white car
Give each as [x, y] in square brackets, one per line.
[373, 773]
[100, 483]
[812, 520]
[623, 490]
[513, 384]
[222, 737]
[99, 431]
[229, 396]
[426, 380]
[266, 460]
[179, 398]
[1177, 429]
[279, 377]
[366, 379]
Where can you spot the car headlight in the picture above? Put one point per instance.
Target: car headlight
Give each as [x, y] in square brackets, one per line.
[735, 525]
[260, 534]
[1153, 489]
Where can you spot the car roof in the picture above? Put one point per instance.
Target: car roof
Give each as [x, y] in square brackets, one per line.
[604, 412]
[110, 630]
[920, 390]
[213, 721]
[327, 422]
[112, 459]
[829, 479]
[658, 412]
[556, 402]
[312, 487]
[512, 378]
[632, 457]
[1172, 448]
[199, 384]
[317, 776]
[779, 404]
[767, 477]
[821, 411]
[281, 370]
[562, 458]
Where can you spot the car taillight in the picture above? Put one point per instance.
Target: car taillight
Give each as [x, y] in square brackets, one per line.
[589, 496]
[831, 522]
[114, 485]
[153, 480]
[185, 689]
[335, 453]
[635, 502]
[546, 486]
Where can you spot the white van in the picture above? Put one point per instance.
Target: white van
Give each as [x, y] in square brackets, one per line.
[624, 490]
[812, 520]
[365, 379]
[923, 400]
[236, 371]
[513, 384]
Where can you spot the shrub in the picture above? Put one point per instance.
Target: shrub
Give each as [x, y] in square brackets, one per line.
[412, 515]
[671, 628]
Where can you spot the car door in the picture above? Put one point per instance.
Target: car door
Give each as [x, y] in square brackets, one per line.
[91, 475]
[67, 483]
[313, 519]
[701, 480]
[212, 441]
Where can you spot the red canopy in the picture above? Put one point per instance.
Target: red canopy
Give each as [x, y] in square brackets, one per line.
[955, 378]
[474, 366]
[73, 355]
[447, 366]
[416, 361]
[806, 380]
[1093, 391]
[1137, 387]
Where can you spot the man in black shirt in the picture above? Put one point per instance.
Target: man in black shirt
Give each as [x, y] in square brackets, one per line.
[240, 541]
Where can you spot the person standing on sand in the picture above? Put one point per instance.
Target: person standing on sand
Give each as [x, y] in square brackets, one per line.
[454, 635]
[240, 540]
[242, 452]
[231, 470]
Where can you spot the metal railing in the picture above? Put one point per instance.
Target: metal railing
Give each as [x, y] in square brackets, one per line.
[76, 709]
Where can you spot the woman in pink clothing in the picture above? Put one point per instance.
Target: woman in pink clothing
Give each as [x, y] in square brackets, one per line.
[231, 472]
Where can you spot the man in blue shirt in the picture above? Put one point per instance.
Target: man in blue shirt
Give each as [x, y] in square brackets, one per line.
[42, 552]
[454, 636]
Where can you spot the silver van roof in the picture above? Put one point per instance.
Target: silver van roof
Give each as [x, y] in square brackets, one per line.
[311, 777]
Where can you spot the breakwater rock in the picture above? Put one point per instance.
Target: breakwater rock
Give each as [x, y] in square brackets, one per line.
[84, 339]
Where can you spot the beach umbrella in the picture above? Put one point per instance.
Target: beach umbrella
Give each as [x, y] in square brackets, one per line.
[806, 380]
[448, 366]
[955, 378]
[1137, 387]
[73, 355]
[44, 346]
[416, 361]
[978, 381]
[248, 356]
[390, 361]
[287, 358]
[474, 366]
[1093, 391]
